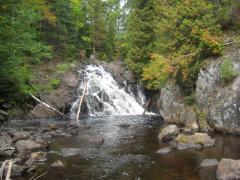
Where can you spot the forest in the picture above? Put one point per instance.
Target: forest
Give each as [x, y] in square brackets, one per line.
[158, 40]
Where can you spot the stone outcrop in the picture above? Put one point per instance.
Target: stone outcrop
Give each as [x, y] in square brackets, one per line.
[173, 108]
[228, 169]
[60, 98]
[168, 133]
[220, 102]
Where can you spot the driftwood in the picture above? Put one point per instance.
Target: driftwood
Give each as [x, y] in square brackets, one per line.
[81, 101]
[48, 106]
[9, 170]
[4, 165]
[146, 106]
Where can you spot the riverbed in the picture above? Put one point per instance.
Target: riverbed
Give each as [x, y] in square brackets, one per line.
[124, 147]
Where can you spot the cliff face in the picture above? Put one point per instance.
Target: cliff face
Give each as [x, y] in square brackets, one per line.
[220, 102]
[216, 102]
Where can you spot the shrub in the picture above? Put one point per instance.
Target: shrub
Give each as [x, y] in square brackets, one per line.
[54, 83]
[189, 100]
[61, 68]
[227, 73]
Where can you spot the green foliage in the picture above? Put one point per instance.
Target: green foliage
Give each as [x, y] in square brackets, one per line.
[183, 33]
[189, 100]
[54, 83]
[62, 68]
[20, 46]
[227, 73]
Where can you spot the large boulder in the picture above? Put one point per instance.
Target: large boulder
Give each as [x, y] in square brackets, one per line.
[228, 169]
[218, 101]
[193, 141]
[174, 110]
[168, 133]
[27, 146]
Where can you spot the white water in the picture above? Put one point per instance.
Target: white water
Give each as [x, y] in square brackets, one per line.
[104, 96]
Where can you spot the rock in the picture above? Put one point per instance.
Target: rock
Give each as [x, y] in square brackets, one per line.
[2, 119]
[29, 129]
[21, 136]
[26, 146]
[97, 140]
[4, 114]
[124, 125]
[228, 169]
[209, 162]
[174, 109]
[220, 102]
[47, 135]
[17, 170]
[164, 150]
[36, 157]
[57, 164]
[52, 126]
[168, 133]
[193, 141]
[6, 148]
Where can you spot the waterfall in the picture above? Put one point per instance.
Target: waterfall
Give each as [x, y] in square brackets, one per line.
[105, 96]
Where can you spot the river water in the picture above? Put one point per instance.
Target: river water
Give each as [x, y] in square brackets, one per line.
[128, 152]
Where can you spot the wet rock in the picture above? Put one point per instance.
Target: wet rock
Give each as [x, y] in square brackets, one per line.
[168, 133]
[218, 101]
[36, 157]
[97, 140]
[228, 169]
[182, 146]
[29, 129]
[4, 114]
[193, 141]
[47, 135]
[209, 162]
[26, 146]
[17, 170]
[164, 150]
[124, 125]
[21, 136]
[57, 164]
[52, 126]
[6, 148]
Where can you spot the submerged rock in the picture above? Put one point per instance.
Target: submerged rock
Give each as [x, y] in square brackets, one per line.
[209, 162]
[97, 140]
[228, 169]
[168, 133]
[164, 150]
[36, 157]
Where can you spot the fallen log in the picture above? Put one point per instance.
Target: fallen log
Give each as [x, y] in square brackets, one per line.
[48, 106]
[146, 106]
[81, 101]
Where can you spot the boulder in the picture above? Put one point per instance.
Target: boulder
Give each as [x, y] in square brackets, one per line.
[228, 169]
[6, 148]
[21, 136]
[168, 133]
[193, 141]
[57, 164]
[26, 146]
[174, 109]
[209, 162]
[218, 101]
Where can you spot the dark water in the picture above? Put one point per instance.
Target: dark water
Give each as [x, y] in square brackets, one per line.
[130, 153]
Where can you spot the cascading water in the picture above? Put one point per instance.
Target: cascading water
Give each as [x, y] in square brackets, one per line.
[104, 96]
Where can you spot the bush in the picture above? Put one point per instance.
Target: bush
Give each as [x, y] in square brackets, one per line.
[227, 73]
[54, 83]
[62, 68]
[189, 100]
